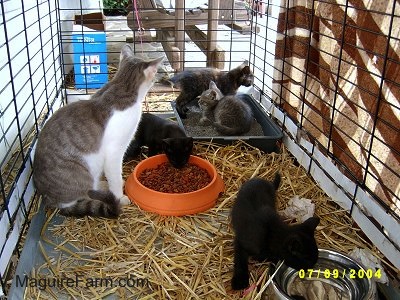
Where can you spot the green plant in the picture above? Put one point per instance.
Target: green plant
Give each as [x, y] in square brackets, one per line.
[115, 7]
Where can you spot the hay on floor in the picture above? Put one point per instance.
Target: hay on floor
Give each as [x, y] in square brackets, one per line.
[187, 257]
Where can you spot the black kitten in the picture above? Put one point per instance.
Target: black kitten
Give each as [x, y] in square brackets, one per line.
[161, 135]
[260, 233]
[193, 82]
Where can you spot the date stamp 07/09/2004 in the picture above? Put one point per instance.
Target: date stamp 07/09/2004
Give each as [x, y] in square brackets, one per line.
[340, 273]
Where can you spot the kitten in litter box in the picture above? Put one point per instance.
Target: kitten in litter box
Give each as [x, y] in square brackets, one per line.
[193, 82]
[231, 115]
[161, 135]
[260, 233]
[86, 139]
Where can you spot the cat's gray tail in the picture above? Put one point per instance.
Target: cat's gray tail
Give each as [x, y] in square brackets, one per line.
[228, 130]
[96, 204]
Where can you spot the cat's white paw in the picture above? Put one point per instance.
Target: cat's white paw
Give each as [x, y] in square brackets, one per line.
[124, 200]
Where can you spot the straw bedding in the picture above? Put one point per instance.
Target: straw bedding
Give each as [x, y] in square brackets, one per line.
[187, 257]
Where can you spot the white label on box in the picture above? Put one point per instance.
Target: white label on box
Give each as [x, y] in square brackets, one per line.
[95, 69]
[84, 59]
[94, 59]
[85, 69]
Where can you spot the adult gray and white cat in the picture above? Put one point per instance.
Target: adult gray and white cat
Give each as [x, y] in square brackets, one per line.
[229, 114]
[86, 139]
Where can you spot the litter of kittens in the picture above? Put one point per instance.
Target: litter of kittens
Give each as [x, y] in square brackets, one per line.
[193, 128]
[182, 257]
[263, 134]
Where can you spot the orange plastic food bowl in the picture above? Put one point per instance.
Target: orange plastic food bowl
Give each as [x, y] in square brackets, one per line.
[171, 204]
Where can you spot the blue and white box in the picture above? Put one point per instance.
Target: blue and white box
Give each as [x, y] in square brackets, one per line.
[90, 57]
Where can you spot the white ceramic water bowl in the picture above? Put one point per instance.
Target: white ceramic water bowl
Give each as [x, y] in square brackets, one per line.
[350, 279]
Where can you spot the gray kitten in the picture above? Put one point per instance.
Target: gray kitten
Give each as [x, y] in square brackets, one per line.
[231, 114]
[193, 82]
[86, 139]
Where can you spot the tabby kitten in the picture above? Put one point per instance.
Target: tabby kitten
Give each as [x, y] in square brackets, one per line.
[193, 82]
[161, 135]
[85, 139]
[260, 233]
[231, 114]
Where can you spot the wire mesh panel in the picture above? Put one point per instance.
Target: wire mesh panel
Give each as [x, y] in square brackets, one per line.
[83, 46]
[192, 32]
[179, 30]
[332, 67]
[30, 75]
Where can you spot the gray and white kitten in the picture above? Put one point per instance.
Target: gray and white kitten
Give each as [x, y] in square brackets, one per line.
[86, 139]
[230, 113]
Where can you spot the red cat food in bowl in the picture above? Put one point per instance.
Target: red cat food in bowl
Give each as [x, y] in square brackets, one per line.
[167, 179]
[156, 186]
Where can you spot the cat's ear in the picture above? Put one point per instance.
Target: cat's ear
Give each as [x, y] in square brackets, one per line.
[156, 62]
[311, 224]
[246, 70]
[277, 180]
[213, 95]
[152, 68]
[189, 144]
[166, 141]
[126, 51]
[212, 85]
[245, 63]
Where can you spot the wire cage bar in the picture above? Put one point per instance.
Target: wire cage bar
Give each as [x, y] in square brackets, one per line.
[331, 80]
[30, 89]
